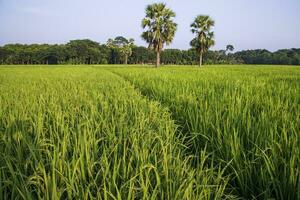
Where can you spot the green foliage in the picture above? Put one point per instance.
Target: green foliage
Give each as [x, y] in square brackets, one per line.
[122, 46]
[284, 56]
[74, 52]
[229, 47]
[142, 55]
[89, 52]
[83, 52]
[170, 56]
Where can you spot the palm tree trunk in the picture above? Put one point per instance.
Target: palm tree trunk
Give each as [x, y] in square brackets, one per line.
[126, 59]
[157, 59]
[200, 60]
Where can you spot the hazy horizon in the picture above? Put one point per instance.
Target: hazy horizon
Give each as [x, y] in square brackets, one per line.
[269, 24]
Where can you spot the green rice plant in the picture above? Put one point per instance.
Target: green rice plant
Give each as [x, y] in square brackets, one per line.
[246, 118]
[86, 133]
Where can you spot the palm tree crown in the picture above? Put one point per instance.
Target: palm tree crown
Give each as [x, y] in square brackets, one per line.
[229, 47]
[160, 27]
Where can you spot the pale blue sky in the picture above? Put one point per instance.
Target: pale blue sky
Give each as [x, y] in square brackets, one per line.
[247, 24]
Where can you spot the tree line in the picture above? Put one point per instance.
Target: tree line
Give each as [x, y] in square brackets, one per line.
[159, 31]
[91, 52]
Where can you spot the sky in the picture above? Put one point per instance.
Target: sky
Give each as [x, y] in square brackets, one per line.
[246, 24]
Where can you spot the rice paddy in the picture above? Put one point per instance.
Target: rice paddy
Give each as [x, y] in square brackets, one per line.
[103, 132]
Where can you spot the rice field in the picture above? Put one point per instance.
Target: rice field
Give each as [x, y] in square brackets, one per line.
[109, 132]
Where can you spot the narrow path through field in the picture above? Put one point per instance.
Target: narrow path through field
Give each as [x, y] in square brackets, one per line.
[182, 133]
[145, 95]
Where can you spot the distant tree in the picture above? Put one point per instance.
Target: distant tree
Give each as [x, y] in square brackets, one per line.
[90, 52]
[171, 56]
[228, 54]
[229, 47]
[114, 51]
[3, 55]
[123, 46]
[142, 55]
[126, 50]
[160, 27]
[104, 54]
[204, 36]
[189, 57]
[83, 51]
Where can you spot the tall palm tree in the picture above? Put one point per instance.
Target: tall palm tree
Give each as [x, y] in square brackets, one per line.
[160, 27]
[204, 36]
[229, 47]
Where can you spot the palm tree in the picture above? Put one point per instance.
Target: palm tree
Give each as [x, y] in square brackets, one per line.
[126, 49]
[204, 36]
[160, 27]
[121, 45]
[229, 47]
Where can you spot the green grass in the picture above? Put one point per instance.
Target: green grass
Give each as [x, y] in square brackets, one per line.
[109, 132]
